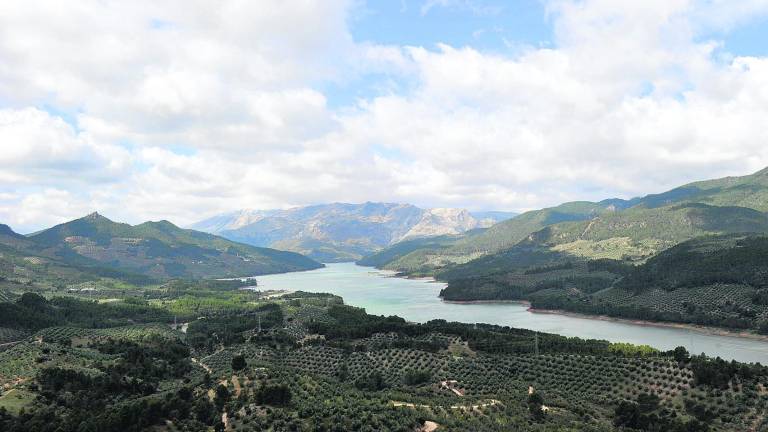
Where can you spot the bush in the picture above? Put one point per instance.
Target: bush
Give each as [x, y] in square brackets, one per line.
[276, 395]
[535, 405]
[374, 381]
[415, 377]
[238, 363]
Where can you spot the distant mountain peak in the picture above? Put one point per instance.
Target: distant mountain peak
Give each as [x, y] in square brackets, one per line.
[94, 216]
[343, 231]
[161, 223]
[7, 231]
[160, 250]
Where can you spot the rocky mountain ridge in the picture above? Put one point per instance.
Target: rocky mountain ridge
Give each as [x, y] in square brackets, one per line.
[343, 232]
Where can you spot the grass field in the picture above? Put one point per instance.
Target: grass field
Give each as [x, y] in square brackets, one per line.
[15, 399]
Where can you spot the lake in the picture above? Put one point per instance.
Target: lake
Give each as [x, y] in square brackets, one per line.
[416, 300]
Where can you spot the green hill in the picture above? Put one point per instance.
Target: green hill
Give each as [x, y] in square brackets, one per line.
[158, 249]
[398, 256]
[10, 238]
[724, 259]
[6, 231]
[24, 270]
[749, 192]
[309, 363]
[505, 234]
[719, 280]
[631, 236]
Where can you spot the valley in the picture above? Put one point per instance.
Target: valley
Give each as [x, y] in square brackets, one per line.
[157, 322]
[339, 232]
[693, 255]
[384, 216]
[417, 300]
[94, 253]
[307, 361]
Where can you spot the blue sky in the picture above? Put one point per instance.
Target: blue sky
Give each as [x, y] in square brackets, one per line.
[749, 39]
[499, 27]
[489, 25]
[178, 112]
[504, 28]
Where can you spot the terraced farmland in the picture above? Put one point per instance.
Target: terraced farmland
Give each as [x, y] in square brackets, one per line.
[308, 364]
[8, 335]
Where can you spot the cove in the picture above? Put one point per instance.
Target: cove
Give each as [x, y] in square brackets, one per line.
[417, 300]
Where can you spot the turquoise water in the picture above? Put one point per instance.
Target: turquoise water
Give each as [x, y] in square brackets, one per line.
[416, 300]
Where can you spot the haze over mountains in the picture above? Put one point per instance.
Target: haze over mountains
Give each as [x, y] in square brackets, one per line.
[344, 232]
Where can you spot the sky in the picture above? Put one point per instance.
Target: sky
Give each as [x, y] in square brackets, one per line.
[183, 109]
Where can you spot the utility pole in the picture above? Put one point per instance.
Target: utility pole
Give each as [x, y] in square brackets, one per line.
[259, 323]
[536, 343]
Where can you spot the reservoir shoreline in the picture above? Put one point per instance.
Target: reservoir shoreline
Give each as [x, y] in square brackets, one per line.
[707, 330]
[703, 329]
[418, 301]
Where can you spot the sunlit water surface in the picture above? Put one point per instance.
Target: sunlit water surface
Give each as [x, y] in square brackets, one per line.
[416, 300]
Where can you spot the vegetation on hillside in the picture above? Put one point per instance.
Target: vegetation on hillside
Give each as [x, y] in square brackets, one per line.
[343, 232]
[618, 229]
[306, 362]
[402, 249]
[713, 280]
[159, 250]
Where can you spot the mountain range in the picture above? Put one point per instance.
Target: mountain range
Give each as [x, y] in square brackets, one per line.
[94, 246]
[694, 254]
[613, 228]
[344, 232]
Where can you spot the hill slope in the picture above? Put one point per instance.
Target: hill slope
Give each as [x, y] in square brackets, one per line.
[120, 367]
[630, 236]
[159, 249]
[749, 192]
[498, 237]
[398, 251]
[343, 232]
[719, 280]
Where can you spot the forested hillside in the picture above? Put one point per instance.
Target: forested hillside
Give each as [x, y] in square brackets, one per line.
[615, 228]
[399, 254]
[498, 237]
[632, 236]
[154, 249]
[713, 280]
[306, 362]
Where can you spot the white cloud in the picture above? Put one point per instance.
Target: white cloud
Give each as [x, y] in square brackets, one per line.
[187, 109]
[211, 65]
[37, 146]
[47, 207]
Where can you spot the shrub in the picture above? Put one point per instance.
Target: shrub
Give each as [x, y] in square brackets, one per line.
[238, 362]
[277, 395]
[415, 377]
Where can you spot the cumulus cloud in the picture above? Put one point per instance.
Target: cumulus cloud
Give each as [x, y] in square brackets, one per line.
[179, 110]
[175, 71]
[44, 208]
[38, 145]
